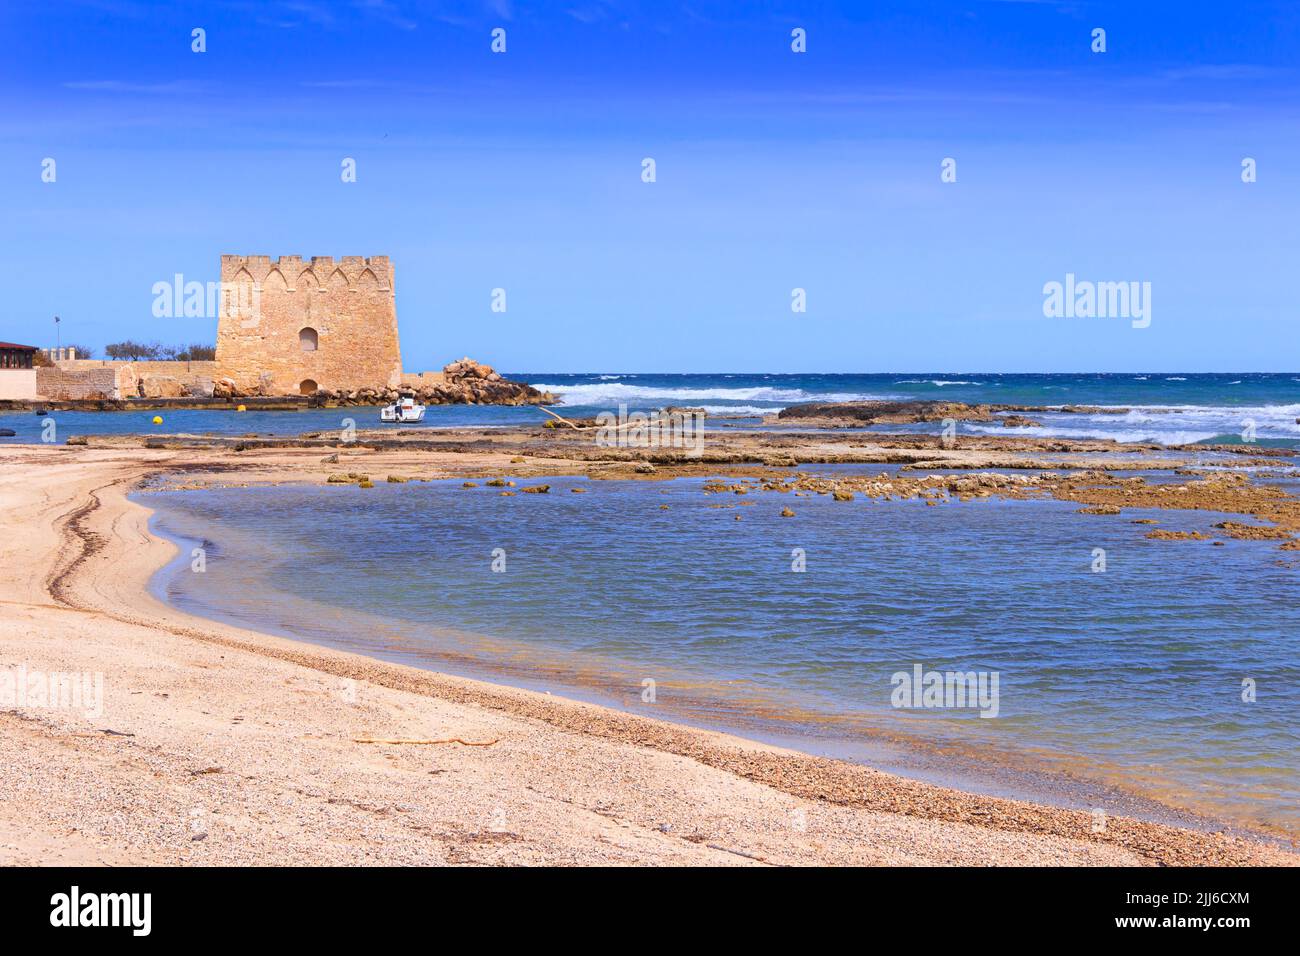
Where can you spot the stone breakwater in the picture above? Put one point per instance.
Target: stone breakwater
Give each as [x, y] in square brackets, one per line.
[464, 382]
[879, 412]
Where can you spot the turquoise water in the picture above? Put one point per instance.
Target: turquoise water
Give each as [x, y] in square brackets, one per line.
[1162, 407]
[1130, 676]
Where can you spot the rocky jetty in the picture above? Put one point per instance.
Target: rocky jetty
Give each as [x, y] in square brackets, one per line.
[464, 382]
[891, 413]
[468, 382]
[909, 412]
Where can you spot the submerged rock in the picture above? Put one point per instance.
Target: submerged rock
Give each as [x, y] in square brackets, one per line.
[1253, 532]
[895, 413]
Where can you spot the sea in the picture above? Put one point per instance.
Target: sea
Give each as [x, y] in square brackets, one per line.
[1169, 408]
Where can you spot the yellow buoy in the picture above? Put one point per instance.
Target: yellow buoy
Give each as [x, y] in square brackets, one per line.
[157, 419]
[241, 408]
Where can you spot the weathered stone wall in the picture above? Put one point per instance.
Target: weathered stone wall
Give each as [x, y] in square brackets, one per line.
[77, 365]
[161, 379]
[183, 369]
[18, 384]
[273, 310]
[168, 379]
[73, 384]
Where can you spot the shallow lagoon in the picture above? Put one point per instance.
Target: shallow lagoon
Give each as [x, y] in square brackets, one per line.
[1130, 676]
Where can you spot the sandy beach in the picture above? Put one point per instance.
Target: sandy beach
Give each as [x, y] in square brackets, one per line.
[218, 745]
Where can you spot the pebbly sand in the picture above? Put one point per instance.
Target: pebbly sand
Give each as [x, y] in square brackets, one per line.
[218, 745]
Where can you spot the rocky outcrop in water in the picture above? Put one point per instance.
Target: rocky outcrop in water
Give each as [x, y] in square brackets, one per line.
[464, 382]
[891, 413]
[910, 412]
[468, 382]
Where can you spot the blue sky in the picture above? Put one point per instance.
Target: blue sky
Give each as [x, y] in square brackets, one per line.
[775, 170]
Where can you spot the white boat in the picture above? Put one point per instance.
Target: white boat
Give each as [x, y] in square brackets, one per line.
[402, 411]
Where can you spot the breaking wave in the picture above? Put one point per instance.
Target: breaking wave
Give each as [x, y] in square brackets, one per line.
[1166, 424]
[1124, 436]
[613, 393]
[935, 381]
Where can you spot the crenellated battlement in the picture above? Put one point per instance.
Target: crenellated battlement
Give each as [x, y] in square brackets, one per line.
[353, 270]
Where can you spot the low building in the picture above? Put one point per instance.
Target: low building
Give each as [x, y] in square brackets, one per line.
[17, 372]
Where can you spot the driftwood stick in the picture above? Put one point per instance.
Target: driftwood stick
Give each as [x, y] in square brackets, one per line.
[574, 425]
[727, 849]
[448, 740]
[656, 420]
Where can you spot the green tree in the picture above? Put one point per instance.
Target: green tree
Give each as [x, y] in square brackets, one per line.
[132, 351]
[196, 352]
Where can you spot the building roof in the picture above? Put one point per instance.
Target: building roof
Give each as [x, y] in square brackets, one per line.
[11, 345]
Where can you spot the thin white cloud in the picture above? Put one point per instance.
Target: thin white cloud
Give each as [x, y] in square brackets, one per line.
[387, 11]
[123, 86]
[358, 84]
[1226, 71]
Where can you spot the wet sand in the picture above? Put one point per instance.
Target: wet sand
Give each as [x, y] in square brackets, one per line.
[222, 745]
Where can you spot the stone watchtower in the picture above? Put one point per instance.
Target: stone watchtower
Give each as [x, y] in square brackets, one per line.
[289, 327]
